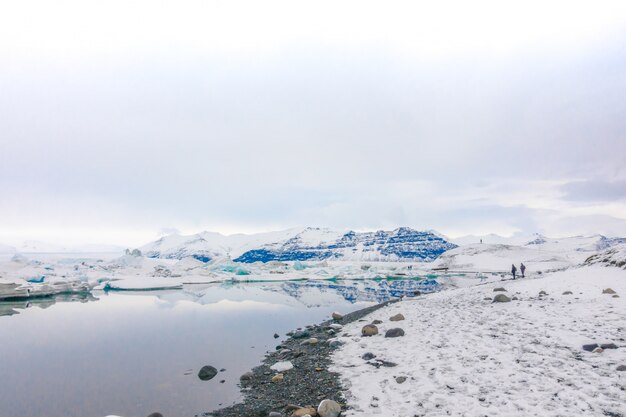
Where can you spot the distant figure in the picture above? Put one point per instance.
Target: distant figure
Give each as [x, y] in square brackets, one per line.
[513, 270]
[522, 268]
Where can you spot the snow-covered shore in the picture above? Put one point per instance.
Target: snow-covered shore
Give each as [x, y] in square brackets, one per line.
[463, 355]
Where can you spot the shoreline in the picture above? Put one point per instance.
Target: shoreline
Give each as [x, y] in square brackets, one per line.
[307, 384]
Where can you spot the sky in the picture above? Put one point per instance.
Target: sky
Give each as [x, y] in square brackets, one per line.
[124, 120]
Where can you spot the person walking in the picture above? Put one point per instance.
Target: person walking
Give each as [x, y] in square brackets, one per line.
[522, 268]
[513, 270]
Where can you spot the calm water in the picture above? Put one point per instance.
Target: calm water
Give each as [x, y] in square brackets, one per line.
[131, 354]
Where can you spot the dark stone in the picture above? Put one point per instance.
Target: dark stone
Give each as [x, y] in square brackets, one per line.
[608, 346]
[207, 372]
[397, 332]
[301, 334]
[377, 322]
[276, 336]
[156, 415]
[590, 347]
[368, 356]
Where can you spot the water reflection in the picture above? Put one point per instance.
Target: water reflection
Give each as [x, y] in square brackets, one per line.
[131, 354]
[11, 307]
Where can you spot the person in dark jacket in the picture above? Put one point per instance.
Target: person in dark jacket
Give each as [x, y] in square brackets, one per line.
[513, 270]
[522, 268]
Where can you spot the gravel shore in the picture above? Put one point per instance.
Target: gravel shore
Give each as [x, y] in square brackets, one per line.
[308, 383]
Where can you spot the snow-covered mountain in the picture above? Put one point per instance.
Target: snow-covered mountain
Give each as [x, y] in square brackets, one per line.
[304, 244]
[593, 243]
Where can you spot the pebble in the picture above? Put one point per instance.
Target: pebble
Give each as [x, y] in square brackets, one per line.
[368, 356]
[377, 322]
[567, 293]
[621, 368]
[312, 341]
[400, 379]
[278, 378]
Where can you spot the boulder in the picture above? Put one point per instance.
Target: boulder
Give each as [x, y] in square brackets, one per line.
[312, 341]
[400, 379]
[397, 317]
[368, 356]
[590, 347]
[608, 291]
[397, 332]
[621, 368]
[499, 289]
[337, 316]
[156, 415]
[207, 372]
[329, 408]
[567, 293]
[304, 411]
[278, 378]
[501, 298]
[369, 330]
[247, 376]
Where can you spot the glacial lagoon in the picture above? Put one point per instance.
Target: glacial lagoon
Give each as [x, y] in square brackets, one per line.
[134, 353]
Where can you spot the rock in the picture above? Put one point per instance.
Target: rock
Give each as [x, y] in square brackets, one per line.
[368, 356]
[608, 346]
[379, 362]
[487, 298]
[621, 368]
[329, 408]
[207, 372]
[156, 415]
[417, 293]
[590, 347]
[312, 341]
[542, 292]
[278, 378]
[598, 350]
[615, 296]
[247, 376]
[282, 366]
[337, 316]
[377, 322]
[369, 330]
[514, 298]
[397, 332]
[302, 334]
[499, 289]
[608, 291]
[567, 293]
[335, 343]
[304, 411]
[397, 317]
[336, 326]
[501, 298]
[400, 379]
[276, 336]
[274, 414]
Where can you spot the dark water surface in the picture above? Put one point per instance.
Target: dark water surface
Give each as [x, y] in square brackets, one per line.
[131, 354]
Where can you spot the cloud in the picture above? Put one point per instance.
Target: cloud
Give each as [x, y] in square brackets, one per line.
[595, 191]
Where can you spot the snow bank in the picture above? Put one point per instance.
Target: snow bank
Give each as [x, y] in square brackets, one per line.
[463, 355]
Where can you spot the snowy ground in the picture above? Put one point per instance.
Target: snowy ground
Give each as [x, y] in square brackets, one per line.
[463, 355]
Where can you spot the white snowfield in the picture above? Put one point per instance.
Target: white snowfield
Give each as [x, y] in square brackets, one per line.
[463, 355]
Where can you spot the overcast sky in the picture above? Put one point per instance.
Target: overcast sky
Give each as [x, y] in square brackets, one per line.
[122, 119]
